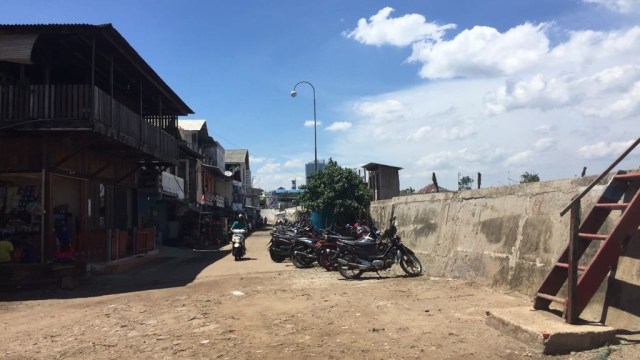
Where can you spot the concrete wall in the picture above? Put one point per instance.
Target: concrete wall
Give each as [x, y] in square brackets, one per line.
[508, 238]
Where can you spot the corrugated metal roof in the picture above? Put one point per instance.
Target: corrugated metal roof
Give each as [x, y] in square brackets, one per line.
[373, 166]
[17, 48]
[191, 125]
[236, 156]
[110, 34]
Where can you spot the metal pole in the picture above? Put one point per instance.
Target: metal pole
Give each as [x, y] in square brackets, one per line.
[315, 137]
[571, 307]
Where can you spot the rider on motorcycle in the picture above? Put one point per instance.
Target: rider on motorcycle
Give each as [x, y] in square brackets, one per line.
[241, 223]
[239, 230]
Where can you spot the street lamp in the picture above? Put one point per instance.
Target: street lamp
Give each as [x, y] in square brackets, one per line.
[315, 139]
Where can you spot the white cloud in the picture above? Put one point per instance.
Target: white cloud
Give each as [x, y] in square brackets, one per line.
[537, 92]
[257, 159]
[544, 129]
[389, 110]
[419, 134]
[400, 31]
[611, 92]
[623, 6]
[435, 160]
[590, 48]
[458, 132]
[273, 173]
[339, 126]
[544, 144]
[626, 106]
[294, 164]
[482, 51]
[603, 149]
[309, 123]
[547, 102]
[270, 167]
[520, 158]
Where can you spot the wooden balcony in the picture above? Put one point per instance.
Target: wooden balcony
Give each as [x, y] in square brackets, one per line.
[81, 107]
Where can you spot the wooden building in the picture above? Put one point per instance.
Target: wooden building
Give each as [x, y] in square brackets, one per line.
[81, 113]
[384, 180]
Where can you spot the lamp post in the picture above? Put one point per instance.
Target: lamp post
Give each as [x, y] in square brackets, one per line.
[315, 139]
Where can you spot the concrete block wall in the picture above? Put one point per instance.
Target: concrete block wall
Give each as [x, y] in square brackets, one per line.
[508, 238]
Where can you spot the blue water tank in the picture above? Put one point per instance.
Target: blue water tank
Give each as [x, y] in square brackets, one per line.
[321, 219]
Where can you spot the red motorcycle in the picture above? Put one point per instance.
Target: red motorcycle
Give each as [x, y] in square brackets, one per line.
[327, 249]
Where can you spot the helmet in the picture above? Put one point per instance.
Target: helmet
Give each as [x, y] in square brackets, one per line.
[241, 216]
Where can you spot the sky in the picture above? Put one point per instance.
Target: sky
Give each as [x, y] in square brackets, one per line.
[451, 87]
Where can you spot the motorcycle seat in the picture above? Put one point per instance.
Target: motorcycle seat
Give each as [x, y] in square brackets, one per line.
[308, 241]
[358, 243]
[285, 237]
[340, 237]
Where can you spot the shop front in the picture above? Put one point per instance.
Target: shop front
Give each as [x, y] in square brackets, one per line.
[21, 217]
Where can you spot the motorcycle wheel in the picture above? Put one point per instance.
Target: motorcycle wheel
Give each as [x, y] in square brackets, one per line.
[276, 257]
[299, 261]
[324, 259]
[349, 272]
[410, 264]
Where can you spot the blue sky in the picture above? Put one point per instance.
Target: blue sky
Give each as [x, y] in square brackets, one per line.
[500, 87]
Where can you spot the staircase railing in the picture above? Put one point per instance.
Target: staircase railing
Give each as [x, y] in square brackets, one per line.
[571, 307]
[597, 180]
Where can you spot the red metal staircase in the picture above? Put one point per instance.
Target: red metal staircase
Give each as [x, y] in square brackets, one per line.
[621, 194]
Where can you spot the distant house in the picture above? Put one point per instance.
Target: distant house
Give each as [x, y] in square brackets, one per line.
[237, 165]
[431, 188]
[208, 186]
[383, 180]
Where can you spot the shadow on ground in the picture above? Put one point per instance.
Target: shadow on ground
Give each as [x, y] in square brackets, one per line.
[172, 267]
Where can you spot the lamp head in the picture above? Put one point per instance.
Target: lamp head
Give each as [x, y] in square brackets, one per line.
[293, 93]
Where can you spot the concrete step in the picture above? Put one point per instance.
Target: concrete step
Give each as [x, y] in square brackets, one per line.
[548, 333]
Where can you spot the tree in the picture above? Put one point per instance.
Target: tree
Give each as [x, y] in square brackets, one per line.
[408, 191]
[529, 178]
[339, 190]
[465, 182]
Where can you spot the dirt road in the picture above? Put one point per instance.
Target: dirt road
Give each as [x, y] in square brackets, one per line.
[205, 305]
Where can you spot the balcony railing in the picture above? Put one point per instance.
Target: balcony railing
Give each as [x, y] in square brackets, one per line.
[81, 106]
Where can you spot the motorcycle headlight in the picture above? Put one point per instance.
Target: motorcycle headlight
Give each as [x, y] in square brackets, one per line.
[236, 245]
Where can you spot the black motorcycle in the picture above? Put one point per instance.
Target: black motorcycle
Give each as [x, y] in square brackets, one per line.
[323, 249]
[282, 242]
[369, 254]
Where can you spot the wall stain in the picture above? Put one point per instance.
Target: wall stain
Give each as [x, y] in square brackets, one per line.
[537, 232]
[501, 230]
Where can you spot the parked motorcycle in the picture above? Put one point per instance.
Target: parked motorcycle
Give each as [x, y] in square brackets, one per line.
[327, 249]
[304, 251]
[282, 242]
[369, 254]
[238, 248]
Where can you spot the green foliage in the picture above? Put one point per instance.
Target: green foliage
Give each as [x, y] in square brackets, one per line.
[529, 178]
[408, 190]
[339, 190]
[465, 182]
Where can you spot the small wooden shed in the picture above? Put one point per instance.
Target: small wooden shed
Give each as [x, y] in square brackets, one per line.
[383, 180]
